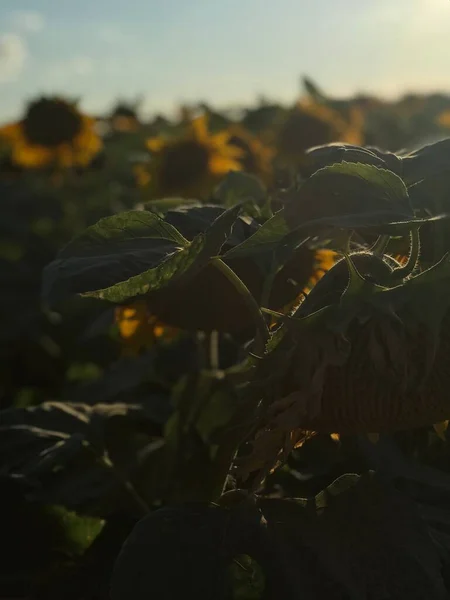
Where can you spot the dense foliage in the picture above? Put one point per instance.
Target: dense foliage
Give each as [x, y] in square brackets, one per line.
[224, 351]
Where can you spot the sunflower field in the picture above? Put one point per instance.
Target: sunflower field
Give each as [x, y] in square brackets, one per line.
[224, 368]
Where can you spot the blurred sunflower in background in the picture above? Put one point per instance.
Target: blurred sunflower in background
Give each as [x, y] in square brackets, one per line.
[192, 164]
[311, 124]
[314, 265]
[124, 117]
[256, 156]
[139, 329]
[444, 119]
[53, 133]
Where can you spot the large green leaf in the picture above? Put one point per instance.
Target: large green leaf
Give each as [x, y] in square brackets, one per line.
[342, 190]
[192, 220]
[427, 161]
[330, 154]
[265, 239]
[130, 255]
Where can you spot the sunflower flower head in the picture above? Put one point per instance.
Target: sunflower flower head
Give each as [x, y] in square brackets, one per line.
[193, 163]
[309, 124]
[256, 156]
[52, 133]
[139, 329]
[316, 264]
[124, 118]
[444, 119]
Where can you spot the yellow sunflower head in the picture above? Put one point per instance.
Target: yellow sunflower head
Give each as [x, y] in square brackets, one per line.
[256, 157]
[124, 118]
[139, 329]
[192, 164]
[443, 120]
[53, 132]
[309, 124]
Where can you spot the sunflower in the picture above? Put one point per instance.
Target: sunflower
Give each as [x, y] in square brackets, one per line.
[318, 263]
[192, 164]
[311, 124]
[139, 329]
[444, 119]
[124, 118]
[256, 157]
[52, 133]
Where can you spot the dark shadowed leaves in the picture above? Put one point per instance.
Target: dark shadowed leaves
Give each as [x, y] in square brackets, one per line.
[82, 457]
[367, 537]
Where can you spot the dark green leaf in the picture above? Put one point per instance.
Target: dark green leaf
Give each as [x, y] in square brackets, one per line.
[330, 154]
[348, 189]
[426, 162]
[265, 239]
[111, 260]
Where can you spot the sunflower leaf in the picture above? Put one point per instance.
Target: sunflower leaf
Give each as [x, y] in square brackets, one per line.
[426, 162]
[128, 255]
[347, 190]
[265, 239]
[330, 154]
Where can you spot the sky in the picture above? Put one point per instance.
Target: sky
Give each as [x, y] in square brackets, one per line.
[226, 52]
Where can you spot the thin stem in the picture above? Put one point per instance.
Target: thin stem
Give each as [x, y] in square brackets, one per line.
[247, 296]
[413, 258]
[214, 350]
[380, 245]
[202, 352]
[126, 483]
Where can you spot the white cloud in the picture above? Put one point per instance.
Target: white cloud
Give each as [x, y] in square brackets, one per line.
[13, 55]
[28, 20]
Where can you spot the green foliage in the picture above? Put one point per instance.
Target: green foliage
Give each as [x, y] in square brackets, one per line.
[212, 443]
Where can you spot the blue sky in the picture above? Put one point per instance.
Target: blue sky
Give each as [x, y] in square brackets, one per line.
[226, 52]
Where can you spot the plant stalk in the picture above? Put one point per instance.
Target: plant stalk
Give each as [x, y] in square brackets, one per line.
[252, 305]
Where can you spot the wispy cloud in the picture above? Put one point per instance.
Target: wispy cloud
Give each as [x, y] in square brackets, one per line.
[29, 21]
[13, 55]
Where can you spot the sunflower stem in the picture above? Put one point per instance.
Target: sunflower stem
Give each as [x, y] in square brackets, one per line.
[413, 258]
[380, 245]
[248, 298]
[214, 350]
